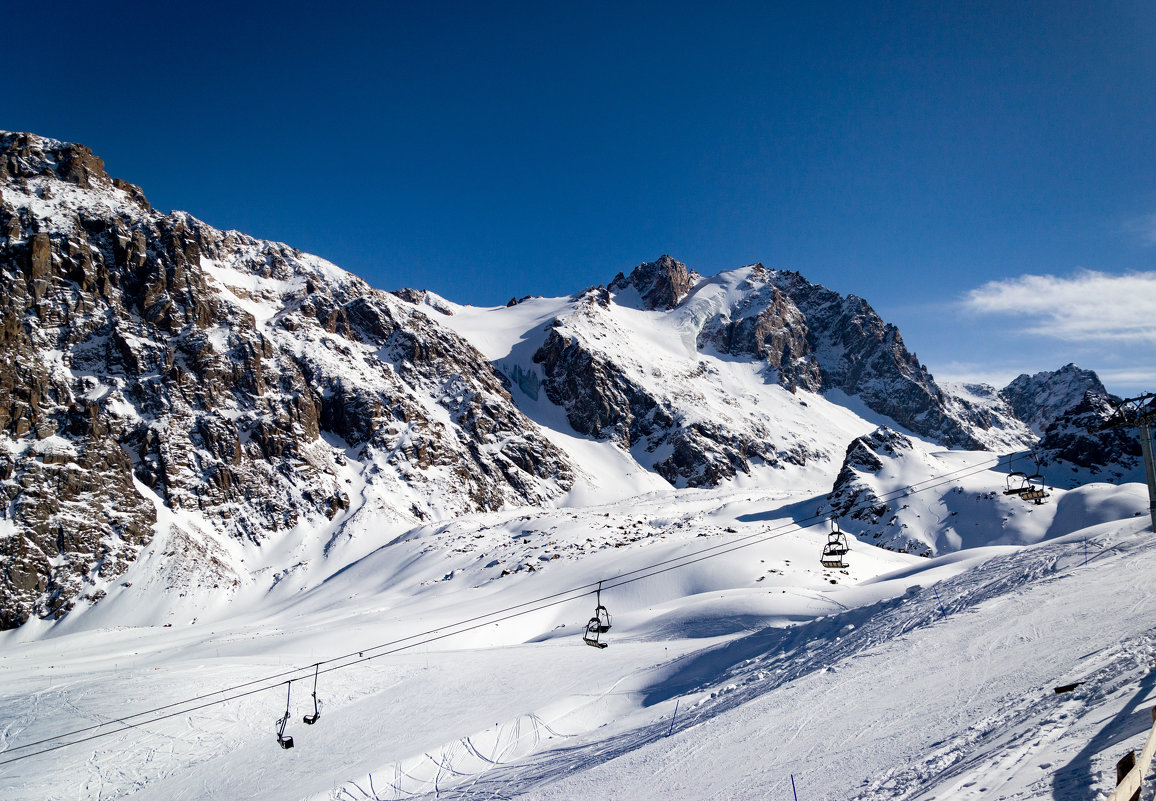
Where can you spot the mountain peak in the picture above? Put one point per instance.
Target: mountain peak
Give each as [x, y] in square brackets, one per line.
[26, 156]
[661, 284]
[1042, 397]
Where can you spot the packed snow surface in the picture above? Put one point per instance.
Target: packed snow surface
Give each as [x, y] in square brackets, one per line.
[725, 677]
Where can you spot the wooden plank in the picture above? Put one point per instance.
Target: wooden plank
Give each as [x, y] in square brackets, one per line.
[1129, 784]
[1129, 788]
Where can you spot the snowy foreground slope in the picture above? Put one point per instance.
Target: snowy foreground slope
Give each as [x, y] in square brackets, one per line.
[902, 677]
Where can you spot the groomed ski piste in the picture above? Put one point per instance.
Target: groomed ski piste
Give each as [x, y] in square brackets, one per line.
[737, 666]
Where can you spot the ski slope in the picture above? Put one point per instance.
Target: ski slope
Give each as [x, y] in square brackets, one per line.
[902, 677]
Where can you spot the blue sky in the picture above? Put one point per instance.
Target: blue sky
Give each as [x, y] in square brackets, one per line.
[930, 157]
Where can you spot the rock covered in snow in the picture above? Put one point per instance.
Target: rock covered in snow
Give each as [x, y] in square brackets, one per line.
[766, 325]
[854, 496]
[993, 421]
[660, 284]
[661, 421]
[1072, 437]
[239, 380]
[863, 356]
[1066, 407]
[1042, 398]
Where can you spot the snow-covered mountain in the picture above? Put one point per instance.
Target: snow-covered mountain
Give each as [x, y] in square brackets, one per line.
[1040, 399]
[250, 394]
[227, 463]
[260, 389]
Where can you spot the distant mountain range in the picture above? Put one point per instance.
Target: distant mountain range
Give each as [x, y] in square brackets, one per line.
[157, 369]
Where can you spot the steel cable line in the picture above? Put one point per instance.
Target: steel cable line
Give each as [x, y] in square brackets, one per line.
[574, 595]
[546, 601]
[910, 489]
[299, 670]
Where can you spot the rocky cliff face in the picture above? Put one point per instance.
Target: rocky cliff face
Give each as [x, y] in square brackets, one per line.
[763, 323]
[803, 336]
[1071, 437]
[861, 355]
[660, 284]
[237, 380]
[1064, 407]
[854, 497]
[1040, 399]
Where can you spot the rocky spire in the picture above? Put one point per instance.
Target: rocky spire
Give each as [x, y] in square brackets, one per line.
[660, 284]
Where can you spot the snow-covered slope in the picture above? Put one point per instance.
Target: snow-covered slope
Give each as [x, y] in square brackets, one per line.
[902, 678]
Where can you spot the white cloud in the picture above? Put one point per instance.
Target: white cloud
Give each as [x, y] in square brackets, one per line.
[957, 372]
[1088, 306]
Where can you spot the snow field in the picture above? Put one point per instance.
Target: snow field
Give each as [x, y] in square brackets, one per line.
[863, 688]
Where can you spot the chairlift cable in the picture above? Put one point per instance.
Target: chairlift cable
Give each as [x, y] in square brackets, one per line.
[461, 627]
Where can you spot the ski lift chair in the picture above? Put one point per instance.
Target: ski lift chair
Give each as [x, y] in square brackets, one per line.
[283, 740]
[1035, 489]
[836, 547]
[597, 625]
[1017, 483]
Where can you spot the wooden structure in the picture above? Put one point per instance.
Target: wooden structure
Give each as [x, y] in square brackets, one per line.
[1130, 771]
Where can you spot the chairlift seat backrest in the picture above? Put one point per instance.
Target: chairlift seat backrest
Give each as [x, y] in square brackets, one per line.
[602, 615]
[1022, 486]
[1034, 488]
[285, 742]
[836, 544]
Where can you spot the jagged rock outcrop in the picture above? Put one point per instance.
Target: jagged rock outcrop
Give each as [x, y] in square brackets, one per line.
[861, 355]
[854, 497]
[765, 325]
[239, 380]
[600, 400]
[1071, 437]
[660, 284]
[607, 398]
[1042, 398]
[850, 496]
[1065, 407]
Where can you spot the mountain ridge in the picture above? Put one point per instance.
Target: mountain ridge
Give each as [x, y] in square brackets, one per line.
[269, 395]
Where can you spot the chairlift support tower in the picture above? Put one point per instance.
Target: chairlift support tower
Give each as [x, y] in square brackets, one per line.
[1139, 413]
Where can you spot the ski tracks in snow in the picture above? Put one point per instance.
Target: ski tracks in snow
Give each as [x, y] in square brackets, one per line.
[999, 730]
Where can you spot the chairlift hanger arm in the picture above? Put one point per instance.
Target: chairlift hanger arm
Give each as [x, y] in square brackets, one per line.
[1130, 413]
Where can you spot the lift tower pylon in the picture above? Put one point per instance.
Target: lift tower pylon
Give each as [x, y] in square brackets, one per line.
[1139, 413]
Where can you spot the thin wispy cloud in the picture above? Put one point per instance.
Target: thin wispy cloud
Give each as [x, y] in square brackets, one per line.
[1143, 227]
[1089, 306]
